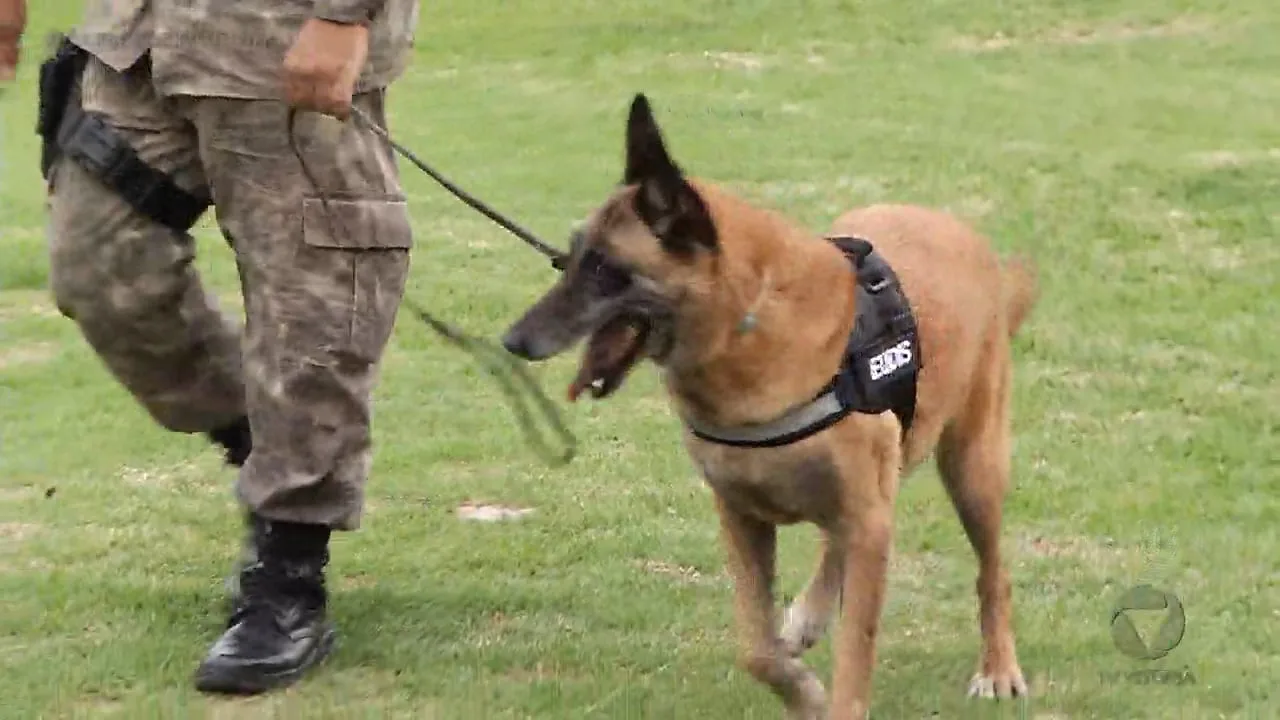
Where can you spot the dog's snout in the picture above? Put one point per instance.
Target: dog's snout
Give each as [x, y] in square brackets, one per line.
[517, 343]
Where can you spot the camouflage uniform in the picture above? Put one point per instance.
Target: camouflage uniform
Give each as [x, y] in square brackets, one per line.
[196, 87]
[320, 300]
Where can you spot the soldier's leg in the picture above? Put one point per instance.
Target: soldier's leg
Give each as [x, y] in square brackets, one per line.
[129, 283]
[323, 279]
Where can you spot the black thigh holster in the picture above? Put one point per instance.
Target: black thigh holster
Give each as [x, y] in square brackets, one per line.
[59, 88]
[86, 138]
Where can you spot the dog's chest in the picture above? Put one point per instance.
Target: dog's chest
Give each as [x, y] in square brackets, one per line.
[779, 486]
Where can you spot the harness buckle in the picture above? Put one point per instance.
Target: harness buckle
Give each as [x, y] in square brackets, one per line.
[94, 145]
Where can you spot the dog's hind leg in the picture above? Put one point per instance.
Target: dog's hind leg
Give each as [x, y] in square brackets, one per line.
[809, 615]
[751, 547]
[974, 461]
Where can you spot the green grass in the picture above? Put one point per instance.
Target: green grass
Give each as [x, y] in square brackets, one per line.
[1131, 145]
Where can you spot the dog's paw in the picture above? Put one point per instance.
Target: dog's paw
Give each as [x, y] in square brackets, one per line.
[810, 701]
[999, 685]
[801, 630]
[804, 714]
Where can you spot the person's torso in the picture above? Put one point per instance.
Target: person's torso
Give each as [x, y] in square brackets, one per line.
[232, 48]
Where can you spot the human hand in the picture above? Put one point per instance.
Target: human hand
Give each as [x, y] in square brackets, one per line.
[321, 69]
[13, 21]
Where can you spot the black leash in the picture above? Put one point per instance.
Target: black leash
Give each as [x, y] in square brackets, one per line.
[505, 368]
[508, 371]
[558, 258]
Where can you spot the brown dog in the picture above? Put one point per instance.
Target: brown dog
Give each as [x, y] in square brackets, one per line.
[747, 316]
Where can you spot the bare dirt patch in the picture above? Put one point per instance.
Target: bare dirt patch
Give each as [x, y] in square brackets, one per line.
[28, 303]
[178, 475]
[482, 512]
[971, 208]
[731, 61]
[17, 531]
[27, 354]
[18, 494]
[1069, 35]
[99, 706]
[734, 60]
[540, 672]
[682, 574]
[1097, 552]
[1218, 159]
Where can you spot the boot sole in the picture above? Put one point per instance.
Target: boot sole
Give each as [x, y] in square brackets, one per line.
[247, 681]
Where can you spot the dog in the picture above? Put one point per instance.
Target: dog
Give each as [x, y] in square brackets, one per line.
[748, 318]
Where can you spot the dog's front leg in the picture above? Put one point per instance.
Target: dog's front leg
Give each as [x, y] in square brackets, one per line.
[809, 615]
[866, 528]
[751, 547]
[868, 543]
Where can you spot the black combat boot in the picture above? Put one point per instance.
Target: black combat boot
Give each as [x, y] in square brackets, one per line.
[235, 439]
[278, 629]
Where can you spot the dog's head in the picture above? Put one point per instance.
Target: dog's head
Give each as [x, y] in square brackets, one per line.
[631, 264]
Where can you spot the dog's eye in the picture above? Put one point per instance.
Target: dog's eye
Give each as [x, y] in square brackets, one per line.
[608, 279]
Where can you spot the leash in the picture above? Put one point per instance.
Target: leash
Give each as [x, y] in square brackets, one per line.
[510, 373]
[558, 258]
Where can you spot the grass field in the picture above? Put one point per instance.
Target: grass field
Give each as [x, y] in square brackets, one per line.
[1132, 146]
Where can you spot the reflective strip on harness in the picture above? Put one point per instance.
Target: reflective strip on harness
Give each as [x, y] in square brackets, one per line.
[806, 420]
[879, 371]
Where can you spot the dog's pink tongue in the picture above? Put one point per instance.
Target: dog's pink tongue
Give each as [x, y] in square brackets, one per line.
[607, 348]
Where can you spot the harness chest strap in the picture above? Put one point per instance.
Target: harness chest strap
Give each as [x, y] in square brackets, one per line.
[879, 371]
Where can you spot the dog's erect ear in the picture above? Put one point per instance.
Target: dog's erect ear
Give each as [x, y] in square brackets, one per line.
[647, 156]
[668, 205]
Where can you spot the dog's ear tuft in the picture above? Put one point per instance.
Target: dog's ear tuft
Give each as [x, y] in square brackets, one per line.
[676, 215]
[667, 204]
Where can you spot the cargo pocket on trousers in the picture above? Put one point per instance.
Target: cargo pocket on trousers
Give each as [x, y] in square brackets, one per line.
[372, 239]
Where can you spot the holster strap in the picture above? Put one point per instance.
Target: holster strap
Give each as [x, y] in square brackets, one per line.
[95, 146]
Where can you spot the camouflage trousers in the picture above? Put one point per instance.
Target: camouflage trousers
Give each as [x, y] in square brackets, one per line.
[321, 290]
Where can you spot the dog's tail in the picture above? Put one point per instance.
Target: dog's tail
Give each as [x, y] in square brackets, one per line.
[1021, 290]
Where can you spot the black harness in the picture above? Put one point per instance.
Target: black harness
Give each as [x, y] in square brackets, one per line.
[879, 372]
[65, 128]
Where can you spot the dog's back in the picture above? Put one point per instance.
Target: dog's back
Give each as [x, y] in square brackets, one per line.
[965, 298]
